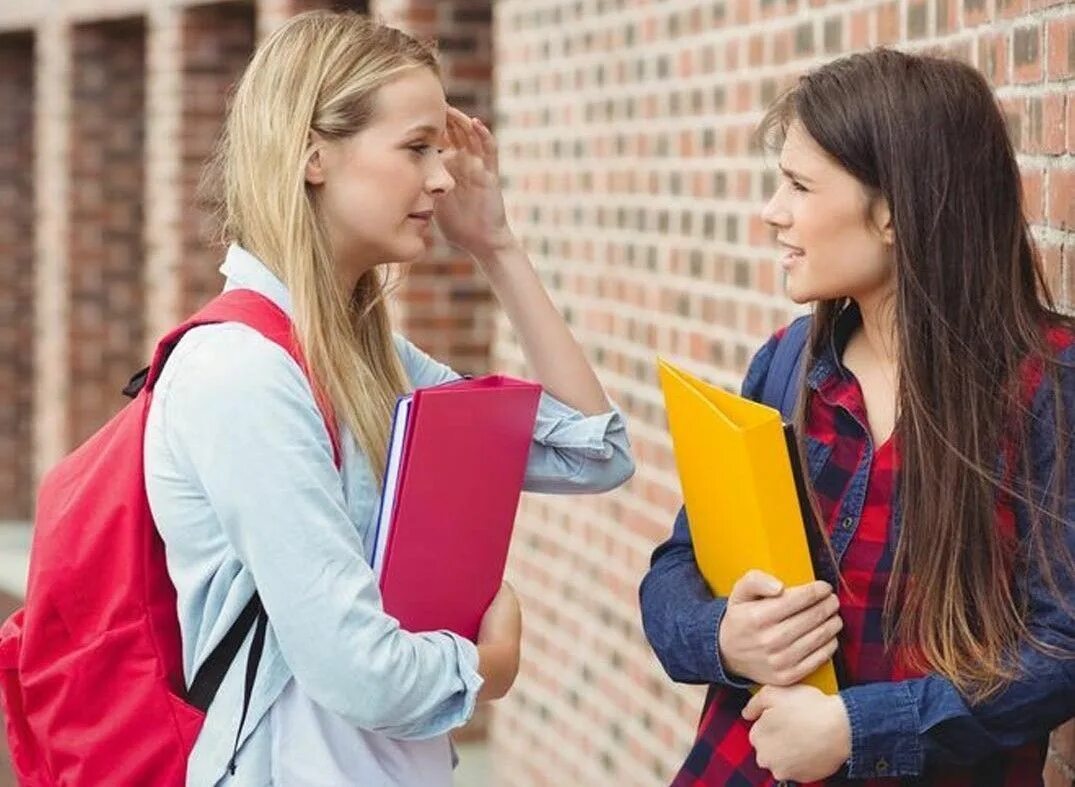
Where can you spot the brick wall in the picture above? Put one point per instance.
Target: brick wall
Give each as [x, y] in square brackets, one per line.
[16, 274]
[105, 285]
[625, 137]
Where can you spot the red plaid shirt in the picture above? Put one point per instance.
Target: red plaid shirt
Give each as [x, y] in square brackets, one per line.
[849, 474]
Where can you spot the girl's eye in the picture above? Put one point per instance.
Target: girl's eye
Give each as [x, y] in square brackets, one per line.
[798, 186]
[423, 149]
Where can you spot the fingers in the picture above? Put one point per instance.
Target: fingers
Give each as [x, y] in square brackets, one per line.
[454, 128]
[464, 136]
[758, 703]
[811, 663]
[488, 145]
[473, 136]
[793, 601]
[755, 585]
[821, 616]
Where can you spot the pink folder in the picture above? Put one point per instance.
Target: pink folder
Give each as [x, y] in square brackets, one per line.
[459, 468]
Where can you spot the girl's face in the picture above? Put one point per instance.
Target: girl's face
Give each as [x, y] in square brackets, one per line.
[378, 186]
[837, 238]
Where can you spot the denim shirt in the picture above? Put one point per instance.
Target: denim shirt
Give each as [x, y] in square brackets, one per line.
[243, 488]
[898, 728]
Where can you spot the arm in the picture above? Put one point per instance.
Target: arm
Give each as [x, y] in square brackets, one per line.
[472, 216]
[240, 418]
[680, 616]
[571, 452]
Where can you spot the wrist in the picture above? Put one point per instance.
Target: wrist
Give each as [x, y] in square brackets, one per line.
[728, 664]
[492, 252]
[842, 731]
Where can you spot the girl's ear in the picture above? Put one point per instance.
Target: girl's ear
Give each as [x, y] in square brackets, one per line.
[315, 164]
[881, 215]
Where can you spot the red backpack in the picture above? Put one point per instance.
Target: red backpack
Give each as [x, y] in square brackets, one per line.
[91, 672]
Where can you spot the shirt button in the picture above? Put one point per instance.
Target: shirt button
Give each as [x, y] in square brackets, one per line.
[881, 767]
[847, 523]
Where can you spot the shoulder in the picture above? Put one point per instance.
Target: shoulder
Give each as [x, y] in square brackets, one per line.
[1037, 372]
[763, 361]
[229, 363]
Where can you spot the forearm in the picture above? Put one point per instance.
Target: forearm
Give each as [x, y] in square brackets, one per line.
[498, 664]
[552, 352]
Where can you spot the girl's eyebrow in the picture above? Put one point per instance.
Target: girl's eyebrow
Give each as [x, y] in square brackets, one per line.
[794, 175]
[424, 129]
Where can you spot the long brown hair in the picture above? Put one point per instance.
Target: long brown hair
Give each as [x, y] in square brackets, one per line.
[971, 306]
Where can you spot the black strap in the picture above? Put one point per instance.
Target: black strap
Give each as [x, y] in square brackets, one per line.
[251, 674]
[211, 674]
[136, 383]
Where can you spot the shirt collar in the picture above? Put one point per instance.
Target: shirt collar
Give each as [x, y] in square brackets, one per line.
[244, 271]
[828, 368]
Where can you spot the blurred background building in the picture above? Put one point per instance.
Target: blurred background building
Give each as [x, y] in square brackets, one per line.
[625, 133]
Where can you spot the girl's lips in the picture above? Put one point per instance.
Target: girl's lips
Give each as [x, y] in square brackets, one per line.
[791, 255]
[790, 258]
[424, 215]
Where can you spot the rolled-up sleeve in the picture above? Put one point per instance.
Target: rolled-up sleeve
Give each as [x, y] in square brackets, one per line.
[241, 416]
[680, 615]
[572, 453]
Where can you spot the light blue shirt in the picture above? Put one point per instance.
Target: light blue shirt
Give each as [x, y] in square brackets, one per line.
[243, 488]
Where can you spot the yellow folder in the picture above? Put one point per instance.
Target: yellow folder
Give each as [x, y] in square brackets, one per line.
[738, 487]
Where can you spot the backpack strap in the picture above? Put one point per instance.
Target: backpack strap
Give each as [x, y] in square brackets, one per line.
[258, 312]
[255, 311]
[781, 388]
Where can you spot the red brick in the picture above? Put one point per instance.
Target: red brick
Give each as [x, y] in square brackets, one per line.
[1053, 268]
[1054, 122]
[994, 49]
[1033, 196]
[1008, 9]
[1061, 54]
[1027, 54]
[888, 23]
[1070, 124]
[975, 12]
[1062, 198]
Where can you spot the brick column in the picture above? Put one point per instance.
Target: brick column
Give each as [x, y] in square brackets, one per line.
[16, 274]
[52, 133]
[164, 193]
[106, 322]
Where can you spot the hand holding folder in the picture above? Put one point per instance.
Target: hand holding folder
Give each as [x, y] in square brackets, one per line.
[742, 488]
[456, 463]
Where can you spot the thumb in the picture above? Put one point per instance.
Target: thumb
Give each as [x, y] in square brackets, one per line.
[754, 585]
[758, 704]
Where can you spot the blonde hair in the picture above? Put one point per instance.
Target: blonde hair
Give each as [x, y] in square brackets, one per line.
[319, 72]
